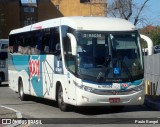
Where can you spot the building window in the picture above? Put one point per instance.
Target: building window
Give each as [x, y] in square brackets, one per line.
[29, 22]
[93, 1]
[28, 3]
[84, 1]
[57, 7]
[29, 9]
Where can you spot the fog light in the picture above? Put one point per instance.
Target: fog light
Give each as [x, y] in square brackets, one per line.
[139, 98]
[85, 99]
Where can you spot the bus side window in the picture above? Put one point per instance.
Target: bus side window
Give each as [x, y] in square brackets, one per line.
[35, 38]
[46, 49]
[57, 51]
[15, 48]
[20, 45]
[55, 42]
[20, 49]
[11, 43]
[11, 49]
[27, 42]
[45, 41]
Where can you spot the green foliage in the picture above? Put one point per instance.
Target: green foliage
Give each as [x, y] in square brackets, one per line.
[155, 35]
[143, 43]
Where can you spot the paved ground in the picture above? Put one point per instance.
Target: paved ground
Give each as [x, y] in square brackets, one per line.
[7, 113]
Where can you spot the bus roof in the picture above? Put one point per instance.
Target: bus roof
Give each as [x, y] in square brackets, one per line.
[82, 23]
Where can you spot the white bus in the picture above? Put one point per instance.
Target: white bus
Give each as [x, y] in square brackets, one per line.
[81, 61]
[4, 60]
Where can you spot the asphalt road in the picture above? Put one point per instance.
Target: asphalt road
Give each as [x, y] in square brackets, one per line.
[43, 109]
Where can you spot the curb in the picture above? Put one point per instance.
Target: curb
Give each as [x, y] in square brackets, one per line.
[18, 114]
[152, 104]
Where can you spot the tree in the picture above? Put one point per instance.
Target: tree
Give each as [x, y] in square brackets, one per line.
[153, 32]
[155, 35]
[127, 9]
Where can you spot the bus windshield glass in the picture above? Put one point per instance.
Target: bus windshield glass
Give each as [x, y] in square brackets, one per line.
[109, 56]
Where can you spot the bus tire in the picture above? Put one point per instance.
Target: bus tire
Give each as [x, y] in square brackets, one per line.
[22, 95]
[61, 104]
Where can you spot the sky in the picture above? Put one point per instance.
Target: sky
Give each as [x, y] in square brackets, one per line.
[151, 12]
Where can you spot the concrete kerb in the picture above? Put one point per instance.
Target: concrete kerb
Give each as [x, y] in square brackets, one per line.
[7, 113]
[18, 114]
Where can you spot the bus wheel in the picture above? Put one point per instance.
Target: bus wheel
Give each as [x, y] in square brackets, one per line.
[22, 96]
[62, 105]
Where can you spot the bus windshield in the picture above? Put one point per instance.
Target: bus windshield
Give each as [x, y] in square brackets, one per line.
[109, 56]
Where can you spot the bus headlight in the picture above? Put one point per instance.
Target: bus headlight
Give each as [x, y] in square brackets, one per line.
[89, 89]
[138, 88]
[86, 88]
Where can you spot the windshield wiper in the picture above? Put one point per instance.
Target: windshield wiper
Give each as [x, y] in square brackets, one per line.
[100, 78]
[107, 60]
[127, 70]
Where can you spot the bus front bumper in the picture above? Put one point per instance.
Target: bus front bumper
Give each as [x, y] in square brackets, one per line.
[85, 98]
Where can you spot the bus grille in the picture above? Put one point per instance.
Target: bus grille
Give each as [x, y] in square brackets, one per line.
[112, 92]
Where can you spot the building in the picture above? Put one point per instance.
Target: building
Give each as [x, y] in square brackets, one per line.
[9, 16]
[16, 13]
[81, 7]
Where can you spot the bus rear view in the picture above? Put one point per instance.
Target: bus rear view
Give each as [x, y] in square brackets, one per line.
[4, 60]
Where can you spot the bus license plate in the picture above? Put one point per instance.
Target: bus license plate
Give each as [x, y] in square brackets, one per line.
[114, 100]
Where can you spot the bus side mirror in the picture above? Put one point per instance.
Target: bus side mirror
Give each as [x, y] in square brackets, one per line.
[73, 43]
[149, 43]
